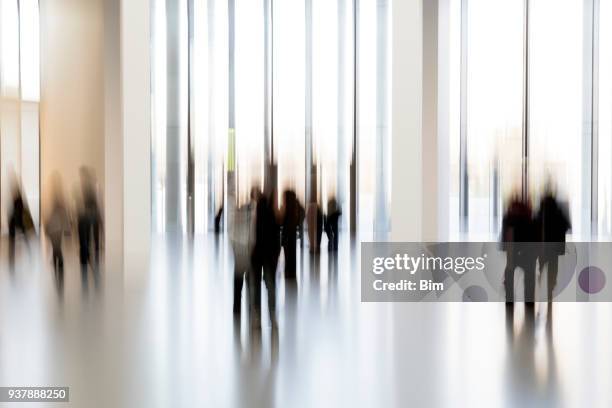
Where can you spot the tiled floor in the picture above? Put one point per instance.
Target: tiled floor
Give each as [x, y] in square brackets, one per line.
[174, 343]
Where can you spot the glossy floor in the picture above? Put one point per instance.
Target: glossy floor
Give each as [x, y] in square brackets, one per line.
[174, 343]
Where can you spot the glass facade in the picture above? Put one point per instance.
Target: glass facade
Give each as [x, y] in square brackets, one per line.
[286, 93]
[531, 111]
[19, 104]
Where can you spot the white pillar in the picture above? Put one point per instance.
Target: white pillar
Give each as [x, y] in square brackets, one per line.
[431, 140]
[174, 111]
[113, 140]
[136, 111]
[407, 87]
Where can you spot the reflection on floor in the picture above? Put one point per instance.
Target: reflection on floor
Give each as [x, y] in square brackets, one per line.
[173, 343]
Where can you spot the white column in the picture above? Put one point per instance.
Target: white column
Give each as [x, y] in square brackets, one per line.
[443, 116]
[136, 111]
[174, 112]
[113, 140]
[431, 140]
[407, 87]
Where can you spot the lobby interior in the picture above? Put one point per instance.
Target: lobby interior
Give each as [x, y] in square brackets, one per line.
[413, 120]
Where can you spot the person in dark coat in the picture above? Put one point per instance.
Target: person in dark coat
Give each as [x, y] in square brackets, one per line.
[89, 225]
[19, 218]
[518, 240]
[314, 219]
[332, 219]
[552, 223]
[92, 209]
[57, 224]
[16, 219]
[291, 219]
[265, 256]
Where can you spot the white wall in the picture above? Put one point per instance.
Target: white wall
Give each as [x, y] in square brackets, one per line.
[72, 91]
[136, 113]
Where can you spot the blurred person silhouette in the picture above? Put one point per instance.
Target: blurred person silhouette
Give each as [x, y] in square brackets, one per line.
[290, 213]
[241, 231]
[88, 226]
[314, 219]
[300, 226]
[331, 223]
[218, 219]
[265, 256]
[552, 223]
[57, 224]
[19, 216]
[92, 208]
[518, 240]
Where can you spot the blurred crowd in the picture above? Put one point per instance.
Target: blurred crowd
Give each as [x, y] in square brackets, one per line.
[82, 219]
[259, 230]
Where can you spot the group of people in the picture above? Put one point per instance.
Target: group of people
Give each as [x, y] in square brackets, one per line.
[88, 225]
[259, 230]
[534, 238]
[58, 223]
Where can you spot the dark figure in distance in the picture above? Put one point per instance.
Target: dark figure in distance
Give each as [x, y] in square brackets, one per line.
[331, 224]
[552, 224]
[218, 219]
[57, 224]
[315, 226]
[291, 215]
[91, 208]
[241, 238]
[300, 225]
[89, 226]
[19, 219]
[265, 256]
[518, 240]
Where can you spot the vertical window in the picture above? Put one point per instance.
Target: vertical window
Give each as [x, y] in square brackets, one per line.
[249, 96]
[261, 74]
[289, 94]
[453, 115]
[373, 90]
[494, 109]
[534, 109]
[604, 116]
[556, 103]
[19, 103]
[325, 93]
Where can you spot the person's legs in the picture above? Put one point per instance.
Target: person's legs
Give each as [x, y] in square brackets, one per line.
[12, 232]
[57, 254]
[290, 258]
[84, 260]
[238, 282]
[529, 286]
[60, 259]
[254, 276]
[328, 233]
[553, 269]
[84, 283]
[335, 234]
[96, 238]
[509, 276]
[510, 322]
[270, 281]
[529, 268]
